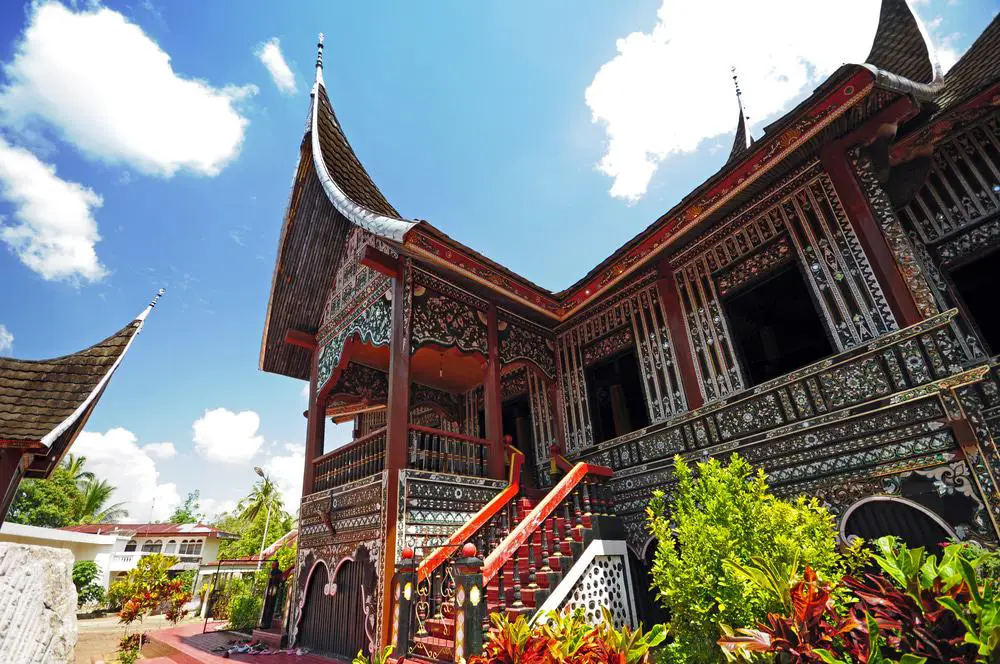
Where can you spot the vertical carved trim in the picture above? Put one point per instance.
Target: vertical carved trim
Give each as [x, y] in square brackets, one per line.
[902, 250]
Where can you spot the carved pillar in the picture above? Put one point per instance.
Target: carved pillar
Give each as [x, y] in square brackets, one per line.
[492, 397]
[397, 429]
[404, 588]
[315, 427]
[872, 234]
[674, 315]
[470, 604]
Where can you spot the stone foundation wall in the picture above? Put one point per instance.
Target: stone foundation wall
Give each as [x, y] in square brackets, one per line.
[37, 605]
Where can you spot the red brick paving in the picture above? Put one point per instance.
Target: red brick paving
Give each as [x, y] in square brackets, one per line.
[187, 645]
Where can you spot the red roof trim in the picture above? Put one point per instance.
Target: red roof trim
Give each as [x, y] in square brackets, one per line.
[758, 161]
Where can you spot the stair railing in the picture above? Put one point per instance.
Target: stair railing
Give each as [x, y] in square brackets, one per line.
[570, 496]
[434, 587]
[485, 520]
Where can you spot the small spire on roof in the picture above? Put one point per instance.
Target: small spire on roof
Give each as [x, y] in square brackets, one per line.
[743, 140]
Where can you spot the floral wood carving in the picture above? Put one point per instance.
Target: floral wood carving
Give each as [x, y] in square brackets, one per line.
[522, 341]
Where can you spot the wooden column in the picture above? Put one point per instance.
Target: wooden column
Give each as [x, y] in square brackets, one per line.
[492, 399]
[11, 470]
[859, 213]
[315, 427]
[674, 315]
[397, 422]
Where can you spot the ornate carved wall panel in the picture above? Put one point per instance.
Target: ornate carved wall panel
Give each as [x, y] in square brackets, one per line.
[955, 216]
[523, 341]
[333, 526]
[372, 325]
[434, 505]
[360, 383]
[543, 425]
[357, 304]
[445, 316]
[804, 220]
[633, 317]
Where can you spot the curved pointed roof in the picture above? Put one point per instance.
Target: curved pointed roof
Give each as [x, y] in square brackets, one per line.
[741, 141]
[346, 182]
[902, 46]
[45, 403]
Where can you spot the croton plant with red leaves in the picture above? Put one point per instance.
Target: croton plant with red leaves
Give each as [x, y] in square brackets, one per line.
[918, 609]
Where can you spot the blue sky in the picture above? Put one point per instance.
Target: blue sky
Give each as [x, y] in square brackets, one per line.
[543, 134]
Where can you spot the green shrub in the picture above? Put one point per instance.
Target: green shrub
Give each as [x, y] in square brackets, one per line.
[85, 574]
[717, 521]
[244, 612]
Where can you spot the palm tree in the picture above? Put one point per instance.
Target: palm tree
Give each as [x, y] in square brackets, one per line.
[74, 466]
[92, 503]
[263, 496]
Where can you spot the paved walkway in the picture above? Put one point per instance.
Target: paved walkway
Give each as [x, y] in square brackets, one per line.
[187, 645]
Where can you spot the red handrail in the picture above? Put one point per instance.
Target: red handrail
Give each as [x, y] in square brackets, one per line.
[354, 443]
[517, 537]
[469, 528]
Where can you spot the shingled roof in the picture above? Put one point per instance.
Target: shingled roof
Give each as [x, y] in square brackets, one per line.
[45, 403]
[977, 70]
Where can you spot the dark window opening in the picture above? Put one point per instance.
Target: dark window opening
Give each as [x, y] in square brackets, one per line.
[617, 400]
[889, 517]
[976, 283]
[516, 414]
[775, 326]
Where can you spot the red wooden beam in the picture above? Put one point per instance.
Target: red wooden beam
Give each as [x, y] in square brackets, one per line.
[397, 441]
[492, 397]
[873, 241]
[380, 261]
[300, 339]
[674, 314]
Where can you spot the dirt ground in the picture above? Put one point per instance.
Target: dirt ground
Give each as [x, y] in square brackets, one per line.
[98, 637]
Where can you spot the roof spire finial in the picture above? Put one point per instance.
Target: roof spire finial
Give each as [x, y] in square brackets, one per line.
[319, 52]
[739, 93]
[142, 317]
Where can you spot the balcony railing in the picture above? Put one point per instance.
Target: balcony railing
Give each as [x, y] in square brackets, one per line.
[892, 365]
[128, 559]
[447, 452]
[360, 458]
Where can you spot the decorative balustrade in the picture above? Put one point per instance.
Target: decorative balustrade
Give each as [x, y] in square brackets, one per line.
[893, 365]
[446, 452]
[360, 458]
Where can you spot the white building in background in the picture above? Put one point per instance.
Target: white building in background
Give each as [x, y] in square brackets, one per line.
[118, 547]
[83, 546]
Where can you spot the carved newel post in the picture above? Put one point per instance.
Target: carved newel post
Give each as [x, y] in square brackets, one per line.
[470, 604]
[403, 591]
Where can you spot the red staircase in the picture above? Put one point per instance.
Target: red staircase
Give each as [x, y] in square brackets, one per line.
[531, 544]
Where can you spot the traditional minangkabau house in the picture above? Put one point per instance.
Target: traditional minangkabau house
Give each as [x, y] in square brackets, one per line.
[821, 305]
[45, 404]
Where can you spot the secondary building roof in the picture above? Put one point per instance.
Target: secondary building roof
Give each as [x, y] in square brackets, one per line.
[152, 529]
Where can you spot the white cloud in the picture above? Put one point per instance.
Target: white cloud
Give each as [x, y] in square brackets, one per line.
[164, 450]
[54, 230]
[222, 435]
[6, 340]
[212, 508]
[116, 456]
[669, 89]
[305, 391]
[286, 472]
[111, 91]
[269, 53]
